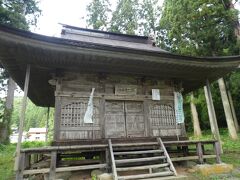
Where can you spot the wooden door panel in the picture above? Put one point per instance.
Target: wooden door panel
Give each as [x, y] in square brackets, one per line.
[135, 119]
[114, 119]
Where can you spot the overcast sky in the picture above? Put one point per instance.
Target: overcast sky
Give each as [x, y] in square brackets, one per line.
[71, 12]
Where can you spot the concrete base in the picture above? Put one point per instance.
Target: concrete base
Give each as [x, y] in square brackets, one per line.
[207, 169]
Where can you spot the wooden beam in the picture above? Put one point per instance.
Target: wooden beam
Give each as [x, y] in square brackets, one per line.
[167, 156]
[65, 148]
[196, 125]
[125, 161]
[22, 118]
[233, 110]
[139, 152]
[188, 158]
[211, 112]
[114, 170]
[134, 168]
[200, 152]
[227, 110]
[47, 124]
[19, 173]
[217, 150]
[53, 164]
[64, 169]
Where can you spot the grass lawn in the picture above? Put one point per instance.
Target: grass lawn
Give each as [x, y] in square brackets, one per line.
[231, 155]
[7, 153]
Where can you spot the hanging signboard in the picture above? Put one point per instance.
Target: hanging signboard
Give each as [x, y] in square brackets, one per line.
[88, 117]
[178, 103]
[156, 94]
[125, 90]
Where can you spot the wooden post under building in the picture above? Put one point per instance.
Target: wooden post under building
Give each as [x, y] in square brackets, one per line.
[21, 120]
[196, 125]
[232, 107]
[227, 109]
[211, 113]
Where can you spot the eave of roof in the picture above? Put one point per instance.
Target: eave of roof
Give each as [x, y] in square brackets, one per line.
[46, 54]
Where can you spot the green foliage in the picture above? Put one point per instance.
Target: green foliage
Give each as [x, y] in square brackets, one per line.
[7, 161]
[129, 17]
[7, 154]
[35, 116]
[98, 14]
[125, 17]
[234, 86]
[199, 28]
[149, 17]
[19, 14]
[231, 148]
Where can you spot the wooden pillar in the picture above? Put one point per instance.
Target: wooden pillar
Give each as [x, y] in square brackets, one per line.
[217, 149]
[53, 164]
[200, 153]
[196, 126]
[19, 173]
[227, 109]
[211, 113]
[22, 118]
[47, 124]
[57, 113]
[232, 108]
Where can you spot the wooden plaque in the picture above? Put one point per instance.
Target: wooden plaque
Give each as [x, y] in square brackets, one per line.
[125, 90]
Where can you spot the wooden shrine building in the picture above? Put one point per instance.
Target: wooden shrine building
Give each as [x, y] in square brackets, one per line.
[109, 91]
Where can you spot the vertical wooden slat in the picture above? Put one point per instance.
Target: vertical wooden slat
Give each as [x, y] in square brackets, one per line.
[19, 173]
[52, 172]
[211, 112]
[217, 150]
[107, 159]
[114, 170]
[47, 124]
[27, 161]
[167, 156]
[22, 117]
[200, 152]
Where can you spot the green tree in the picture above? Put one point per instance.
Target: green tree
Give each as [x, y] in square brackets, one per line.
[199, 28]
[149, 17]
[18, 14]
[125, 17]
[98, 11]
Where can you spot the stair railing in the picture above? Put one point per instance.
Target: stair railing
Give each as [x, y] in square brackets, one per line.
[172, 168]
[114, 170]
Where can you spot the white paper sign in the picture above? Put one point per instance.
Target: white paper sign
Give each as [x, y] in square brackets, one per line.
[156, 94]
[178, 101]
[89, 113]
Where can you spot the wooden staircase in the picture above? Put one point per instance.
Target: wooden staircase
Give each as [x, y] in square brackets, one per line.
[140, 163]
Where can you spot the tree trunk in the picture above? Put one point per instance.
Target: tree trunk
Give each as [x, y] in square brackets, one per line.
[233, 110]
[227, 109]
[196, 126]
[5, 128]
[212, 114]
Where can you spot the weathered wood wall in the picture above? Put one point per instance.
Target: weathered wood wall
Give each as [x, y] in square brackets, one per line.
[123, 107]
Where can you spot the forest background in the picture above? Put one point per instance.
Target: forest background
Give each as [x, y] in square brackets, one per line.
[185, 27]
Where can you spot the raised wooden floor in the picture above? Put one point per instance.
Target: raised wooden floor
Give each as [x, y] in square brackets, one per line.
[138, 154]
